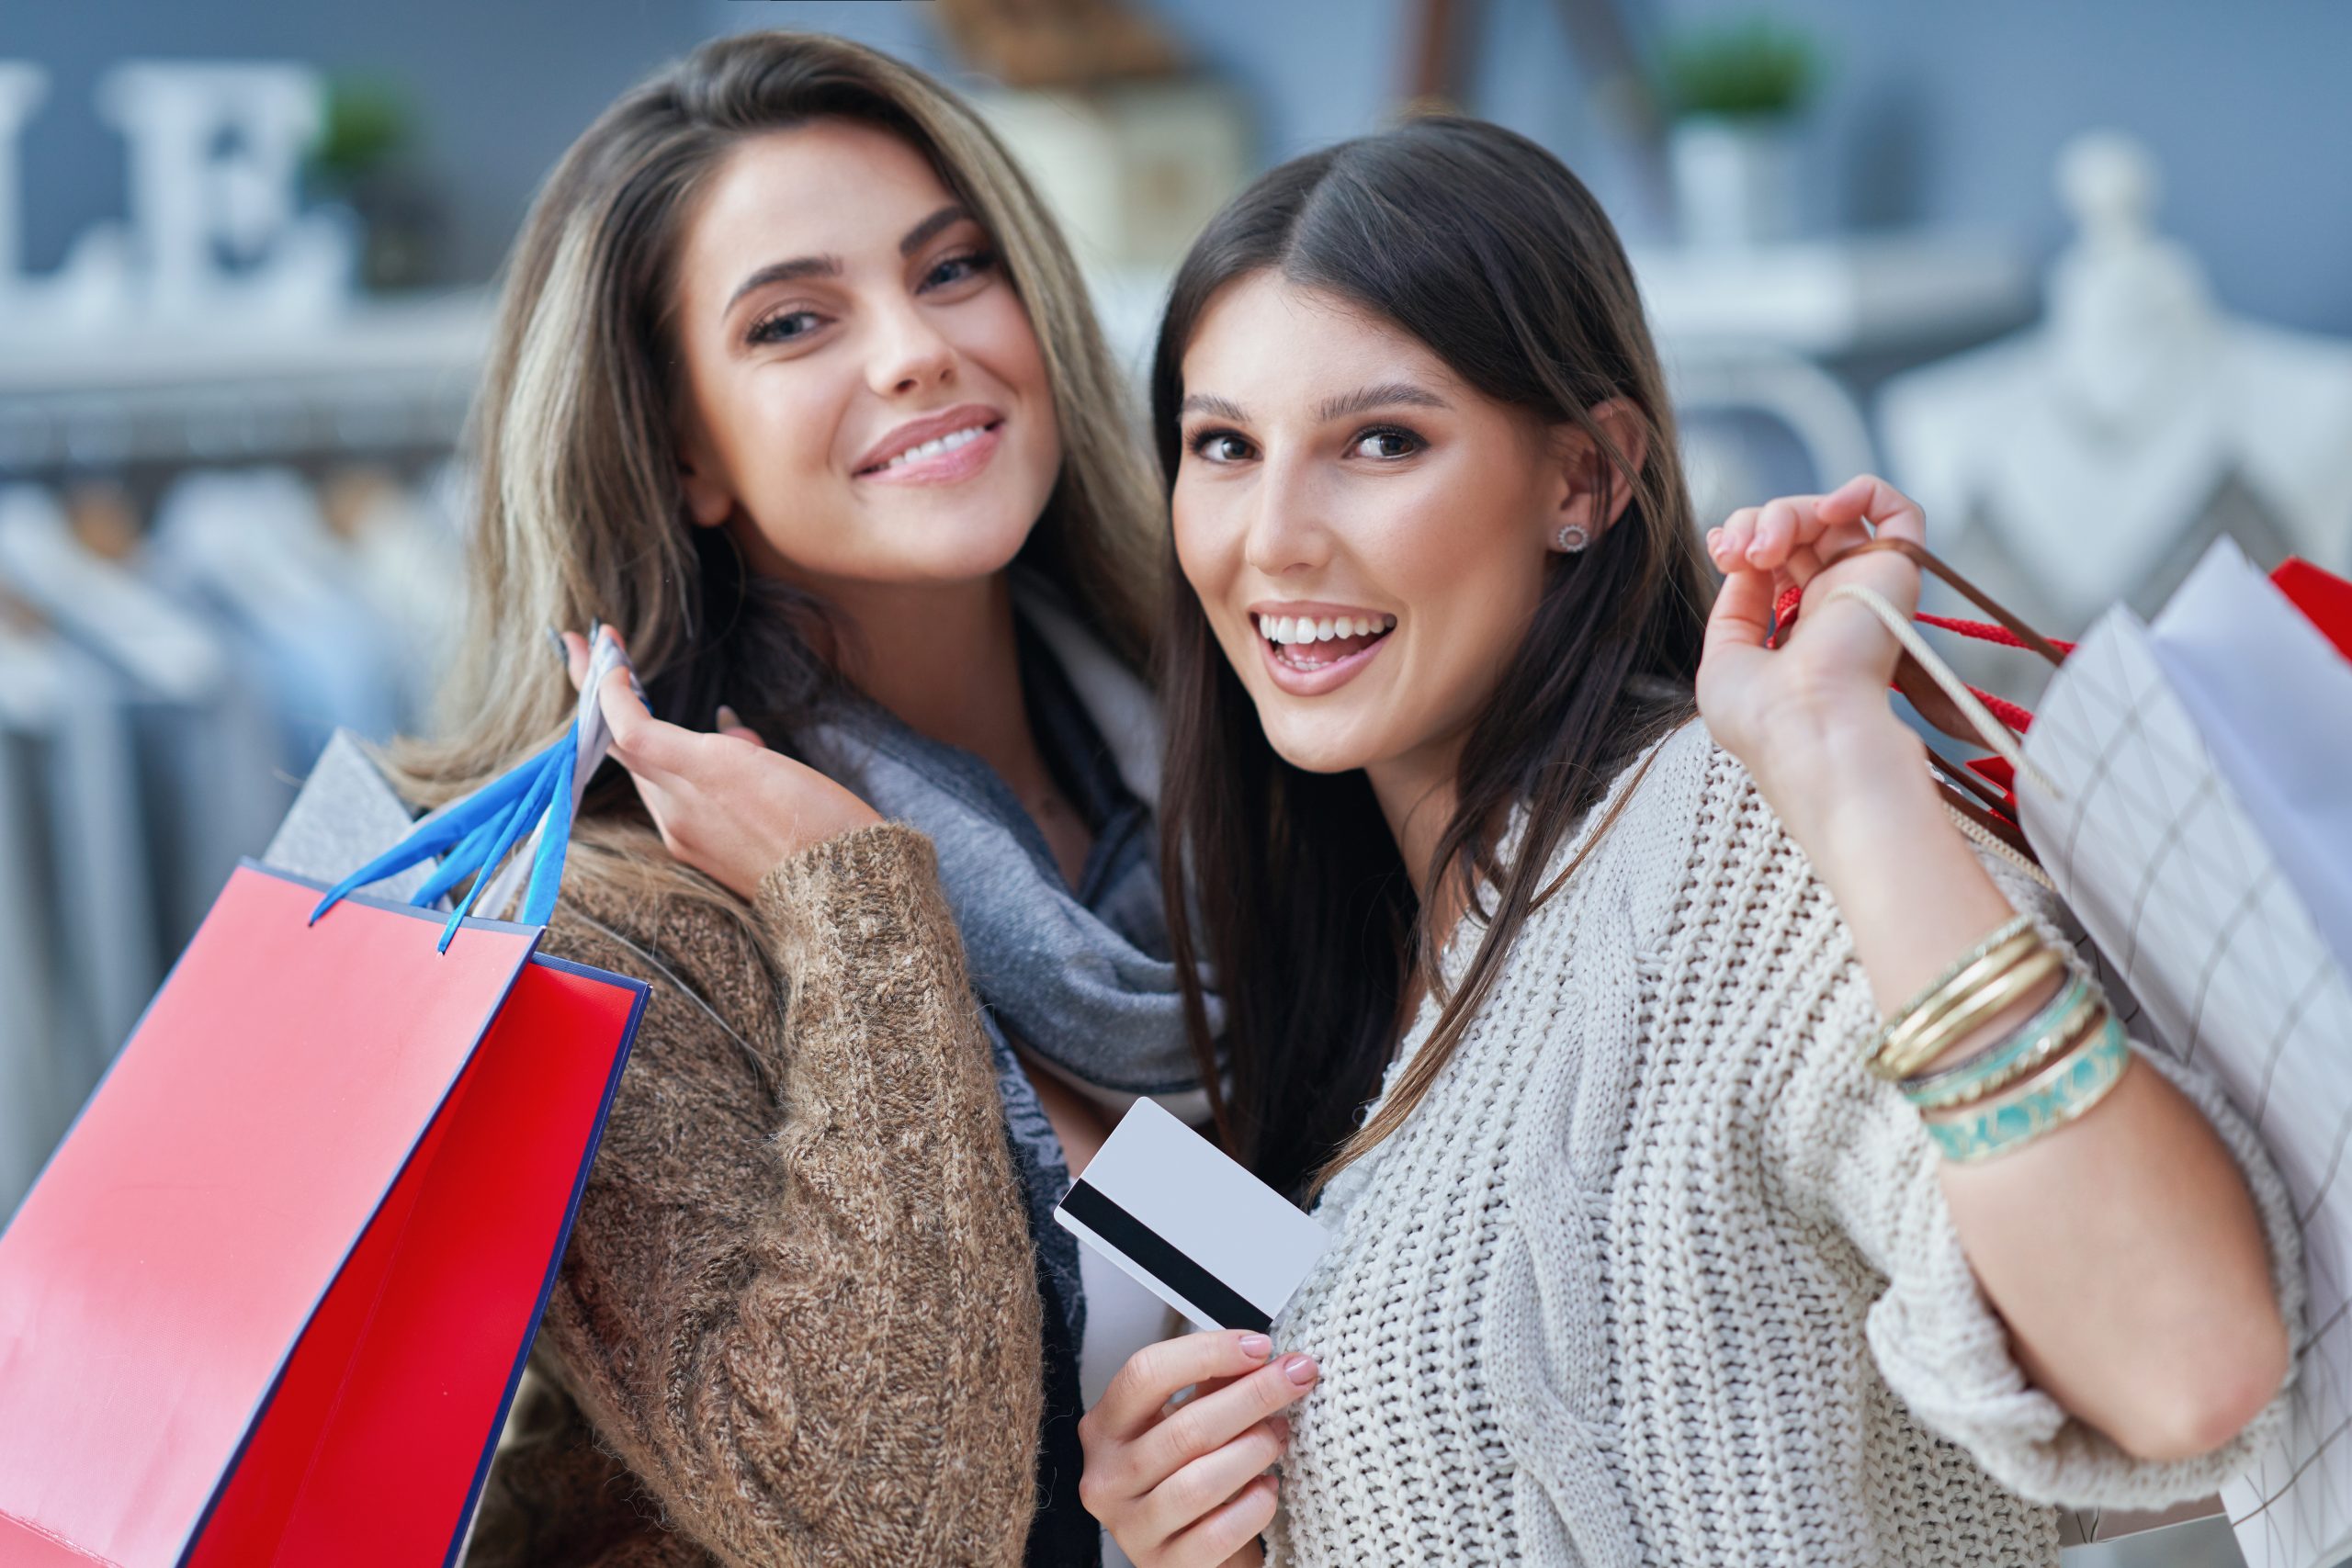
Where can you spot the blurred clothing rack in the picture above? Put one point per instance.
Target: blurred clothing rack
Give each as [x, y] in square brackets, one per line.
[220, 540]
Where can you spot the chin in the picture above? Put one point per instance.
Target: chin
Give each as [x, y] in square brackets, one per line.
[1316, 746]
[962, 543]
[965, 532]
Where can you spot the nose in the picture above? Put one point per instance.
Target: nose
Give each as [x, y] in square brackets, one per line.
[1287, 535]
[909, 353]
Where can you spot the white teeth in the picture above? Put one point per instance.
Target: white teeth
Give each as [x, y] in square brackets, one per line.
[1308, 628]
[931, 448]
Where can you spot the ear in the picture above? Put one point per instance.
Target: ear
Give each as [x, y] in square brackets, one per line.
[709, 502]
[1586, 472]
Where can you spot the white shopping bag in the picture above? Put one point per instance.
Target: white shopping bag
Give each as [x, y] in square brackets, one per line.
[2190, 795]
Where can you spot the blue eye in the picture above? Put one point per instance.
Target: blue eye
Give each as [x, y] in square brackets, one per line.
[771, 329]
[971, 263]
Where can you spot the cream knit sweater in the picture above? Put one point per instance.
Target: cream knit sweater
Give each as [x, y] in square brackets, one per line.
[1660, 1274]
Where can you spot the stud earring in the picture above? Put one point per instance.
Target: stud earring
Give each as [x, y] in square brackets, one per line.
[1572, 537]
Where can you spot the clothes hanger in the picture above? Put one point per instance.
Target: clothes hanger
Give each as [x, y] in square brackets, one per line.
[101, 604]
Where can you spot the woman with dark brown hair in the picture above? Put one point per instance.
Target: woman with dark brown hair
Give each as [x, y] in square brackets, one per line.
[1728, 1159]
[796, 387]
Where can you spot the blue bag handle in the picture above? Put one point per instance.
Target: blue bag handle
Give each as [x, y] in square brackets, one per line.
[475, 834]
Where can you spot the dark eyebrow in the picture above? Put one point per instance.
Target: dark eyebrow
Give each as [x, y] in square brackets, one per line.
[785, 272]
[830, 265]
[1386, 394]
[923, 231]
[1210, 403]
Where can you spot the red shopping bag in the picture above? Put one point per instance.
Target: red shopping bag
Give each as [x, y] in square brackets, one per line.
[270, 1300]
[2325, 599]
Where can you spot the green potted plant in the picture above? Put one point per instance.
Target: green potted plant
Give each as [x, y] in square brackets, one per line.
[1732, 89]
[360, 159]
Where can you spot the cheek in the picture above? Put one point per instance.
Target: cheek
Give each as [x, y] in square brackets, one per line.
[1467, 581]
[779, 427]
[783, 422]
[994, 332]
[1208, 552]
[998, 336]
[1207, 540]
[1471, 616]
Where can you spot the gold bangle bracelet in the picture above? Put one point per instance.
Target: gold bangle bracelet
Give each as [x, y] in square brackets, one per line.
[1894, 1040]
[1987, 999]
[1937, 1003]
[2001, 936]
[1898, 1041]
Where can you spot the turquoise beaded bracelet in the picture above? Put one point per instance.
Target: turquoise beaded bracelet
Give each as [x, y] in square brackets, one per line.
[2050, 1099]
[2036, 1041]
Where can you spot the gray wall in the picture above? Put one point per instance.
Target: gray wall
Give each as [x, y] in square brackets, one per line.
[1933, 114]
[502, 87]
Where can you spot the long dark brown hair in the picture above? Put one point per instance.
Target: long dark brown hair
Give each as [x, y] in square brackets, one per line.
[1485, 248]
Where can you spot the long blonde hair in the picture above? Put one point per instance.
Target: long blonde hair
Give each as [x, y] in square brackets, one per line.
[580, 516]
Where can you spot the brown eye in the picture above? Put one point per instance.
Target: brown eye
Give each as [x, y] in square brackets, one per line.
[1387, 443]
[1219, 447]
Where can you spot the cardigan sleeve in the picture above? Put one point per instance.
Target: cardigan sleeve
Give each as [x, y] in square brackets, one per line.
[798, 1303]
[1853, 1147]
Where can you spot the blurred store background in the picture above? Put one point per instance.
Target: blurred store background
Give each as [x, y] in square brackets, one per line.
[2080, 278]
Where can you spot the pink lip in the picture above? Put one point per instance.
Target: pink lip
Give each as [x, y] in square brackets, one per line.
[946, 467]
[1330, 677]
[915, 431]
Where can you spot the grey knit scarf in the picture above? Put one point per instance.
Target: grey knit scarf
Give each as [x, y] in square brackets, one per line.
[1080, 978]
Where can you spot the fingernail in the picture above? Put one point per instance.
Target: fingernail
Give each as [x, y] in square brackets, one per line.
[1281, 1425]
[728, 718]
[562, 654]
[1256, 1346]
[1301, 1370]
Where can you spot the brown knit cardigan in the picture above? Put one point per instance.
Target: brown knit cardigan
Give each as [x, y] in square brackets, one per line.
[798, 1321]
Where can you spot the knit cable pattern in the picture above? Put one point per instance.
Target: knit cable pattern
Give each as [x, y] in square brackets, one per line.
[1658, 1274]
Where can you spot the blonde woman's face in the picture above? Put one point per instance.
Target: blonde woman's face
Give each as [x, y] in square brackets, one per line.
[1365, 531]
[866, 400]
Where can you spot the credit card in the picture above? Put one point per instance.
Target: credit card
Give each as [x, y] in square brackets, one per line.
[1189, 1224]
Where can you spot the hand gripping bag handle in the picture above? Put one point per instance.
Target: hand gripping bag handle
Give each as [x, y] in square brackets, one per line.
[1942, 698]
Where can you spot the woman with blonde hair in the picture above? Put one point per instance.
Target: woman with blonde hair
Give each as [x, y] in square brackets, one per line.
[796, 387]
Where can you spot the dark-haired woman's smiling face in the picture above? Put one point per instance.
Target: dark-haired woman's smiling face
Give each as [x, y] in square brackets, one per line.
[866, 399]
[1366, 532]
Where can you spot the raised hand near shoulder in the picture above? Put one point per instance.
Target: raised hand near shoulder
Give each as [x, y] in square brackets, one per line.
[724, 804]
[1810, 718]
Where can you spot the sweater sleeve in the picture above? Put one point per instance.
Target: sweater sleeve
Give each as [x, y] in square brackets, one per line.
[1854, 1146]
[798, 1303]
